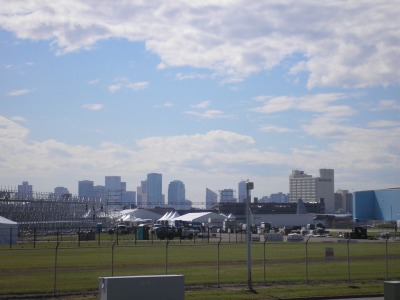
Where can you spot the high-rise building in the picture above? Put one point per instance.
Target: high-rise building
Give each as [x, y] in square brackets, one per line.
[242, 195]
[113, 190]
[227, 195]
[59, 191]
[85, 189]
[313, 189]
[25, 191]
[176, 194]
[211, 198]
[343, 201]
[279, 197]
[99, 192]
[141, 195]
[154, 190]
[128, 199]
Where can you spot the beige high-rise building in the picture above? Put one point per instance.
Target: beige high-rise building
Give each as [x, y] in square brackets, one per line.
[313, 189]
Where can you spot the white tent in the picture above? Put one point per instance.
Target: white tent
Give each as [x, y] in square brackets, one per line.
[133, 215]
[8, 231]
[203, 217]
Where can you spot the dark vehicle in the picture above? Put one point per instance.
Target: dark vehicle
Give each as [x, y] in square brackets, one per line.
[357, 233]
[169, 232]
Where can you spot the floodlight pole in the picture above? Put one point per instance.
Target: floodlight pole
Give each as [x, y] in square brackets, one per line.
[249, 186]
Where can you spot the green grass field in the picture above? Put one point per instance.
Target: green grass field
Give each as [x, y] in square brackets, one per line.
[209, 273]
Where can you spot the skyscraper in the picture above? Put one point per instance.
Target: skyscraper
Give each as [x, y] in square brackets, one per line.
[113, 190]
[85, 189]
[313, 189]
[227, 195]
[25, 191]
[176, 194]
[242, 192]
[211, 198]
[154, 190]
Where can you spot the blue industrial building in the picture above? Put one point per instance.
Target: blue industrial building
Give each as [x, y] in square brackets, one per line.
[381, 205]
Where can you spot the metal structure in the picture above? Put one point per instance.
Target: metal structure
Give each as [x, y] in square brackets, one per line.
[47, 211]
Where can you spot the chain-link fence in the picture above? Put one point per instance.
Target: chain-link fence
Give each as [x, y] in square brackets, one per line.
[73, 261]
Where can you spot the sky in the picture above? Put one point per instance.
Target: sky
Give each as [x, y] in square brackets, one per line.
[206, 92]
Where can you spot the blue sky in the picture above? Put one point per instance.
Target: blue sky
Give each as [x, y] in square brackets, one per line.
[207, 92]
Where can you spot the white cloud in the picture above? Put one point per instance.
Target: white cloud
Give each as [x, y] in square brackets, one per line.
[208, 114]
[321, 103]
[114, 88]
[93, 106]
[136, 86]
[273, 128]
[202, 105]
[388, 104]
[384, 123]
[342, 44]
[18, 92]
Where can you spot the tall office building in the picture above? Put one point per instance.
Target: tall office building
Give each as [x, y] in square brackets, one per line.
[227, 195]
[113, 190]
[343, 201]
[154, 190]
[85, 189]
[211, 198]
[25, 191]
[141, 195]
[99, 192]
[176, 194]
[242, 195]
[60, 191]
[313, 189]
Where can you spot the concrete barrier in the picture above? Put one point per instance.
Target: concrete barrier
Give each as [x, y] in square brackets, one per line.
[165, 287]
[392, 290]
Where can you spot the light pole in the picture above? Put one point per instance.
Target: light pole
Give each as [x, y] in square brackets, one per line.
[249, 186]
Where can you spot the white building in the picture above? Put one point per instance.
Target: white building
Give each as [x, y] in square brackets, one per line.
[313, 189]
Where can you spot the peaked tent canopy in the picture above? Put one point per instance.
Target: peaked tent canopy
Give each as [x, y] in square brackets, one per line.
[8, 231]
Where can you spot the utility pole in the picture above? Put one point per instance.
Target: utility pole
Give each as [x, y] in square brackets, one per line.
[249, 186]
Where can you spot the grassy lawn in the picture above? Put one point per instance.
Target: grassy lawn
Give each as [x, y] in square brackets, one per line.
[210, 270]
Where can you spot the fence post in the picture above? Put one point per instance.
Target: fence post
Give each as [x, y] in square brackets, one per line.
[112, 260]
[55, 270]
[265, 240]
[10, 237]
[386, 256]
[219, 242]
[34, 237]
[166, 257]
[307, 258]
[348, 260]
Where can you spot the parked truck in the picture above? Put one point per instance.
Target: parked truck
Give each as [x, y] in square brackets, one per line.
[170, 232]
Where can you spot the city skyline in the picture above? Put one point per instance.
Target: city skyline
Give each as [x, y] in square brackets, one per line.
[210, 93]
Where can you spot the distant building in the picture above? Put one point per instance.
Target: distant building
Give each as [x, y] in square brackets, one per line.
[99, 192]
[141, 195]
[227, 195]
[279, 198]
[154, 190]
[343, 201]
[61, 192]
[211, 198]
[176, 194]
[313, 189]
[128, 199]
[242, 194]
[113, 191]
[25, 191]
[383, 205]
[85, 189]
